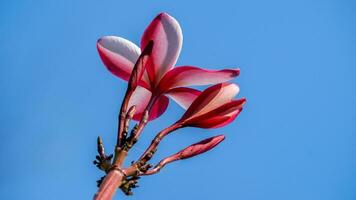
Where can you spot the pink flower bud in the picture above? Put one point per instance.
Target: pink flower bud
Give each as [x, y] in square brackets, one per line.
[193, 150]
[200, 147]
[214, 107]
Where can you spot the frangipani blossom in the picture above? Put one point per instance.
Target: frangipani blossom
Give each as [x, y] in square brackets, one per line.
[214, 107]
[160, 79]
[152, 80]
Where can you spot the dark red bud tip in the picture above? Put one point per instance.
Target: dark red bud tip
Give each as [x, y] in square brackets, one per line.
[201, 147]
[148, 48]
[236, 72]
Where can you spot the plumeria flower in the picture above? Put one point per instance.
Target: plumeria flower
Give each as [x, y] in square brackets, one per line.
[214, 107]
[161, 79]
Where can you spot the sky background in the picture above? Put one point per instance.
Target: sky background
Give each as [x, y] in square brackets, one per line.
[294, 140]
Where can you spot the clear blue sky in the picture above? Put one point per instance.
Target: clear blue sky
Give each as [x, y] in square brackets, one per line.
[295, 140]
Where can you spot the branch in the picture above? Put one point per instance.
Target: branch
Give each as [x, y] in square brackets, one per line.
[188, 152]
[147, 155]
[115, 175]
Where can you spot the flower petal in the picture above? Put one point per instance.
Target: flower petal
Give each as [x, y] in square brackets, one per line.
[119, 56]
[183, 96]
[218, 117]
[211, 98]
[141, 97]
[159, 107]
[218, 121]
[188, 75]
[166, 33]
[140, 67]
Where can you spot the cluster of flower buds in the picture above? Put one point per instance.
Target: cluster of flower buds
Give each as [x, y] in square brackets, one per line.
[152, 81]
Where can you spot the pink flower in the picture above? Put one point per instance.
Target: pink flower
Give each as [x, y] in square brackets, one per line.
[161, 79]
[214, 107]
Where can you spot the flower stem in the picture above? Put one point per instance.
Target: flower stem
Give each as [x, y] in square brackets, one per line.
[147, 155]
[120, 154]
[114, 178]
[109, 185]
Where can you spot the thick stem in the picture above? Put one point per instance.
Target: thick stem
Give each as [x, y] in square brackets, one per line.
[109, 185]
[120, 158]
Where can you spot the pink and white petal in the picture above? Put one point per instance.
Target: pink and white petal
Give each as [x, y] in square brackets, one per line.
[167, 36]
[218, 117]
[159, 107]
[226, 109]
[183, 96]
[141, 97]
[119, 56]
[217, 121]
[189, 75]
[211, 98]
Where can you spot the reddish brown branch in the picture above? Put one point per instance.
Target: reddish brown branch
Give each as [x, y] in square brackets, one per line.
[147, 155]
[145, 117]
[121, 152]
[159, 166]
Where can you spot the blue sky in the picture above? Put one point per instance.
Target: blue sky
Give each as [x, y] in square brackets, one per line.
[294, 140]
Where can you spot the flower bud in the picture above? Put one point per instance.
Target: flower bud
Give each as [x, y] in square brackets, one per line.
[214, 107]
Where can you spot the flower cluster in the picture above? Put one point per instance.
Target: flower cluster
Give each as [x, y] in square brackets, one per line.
[153, 79]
